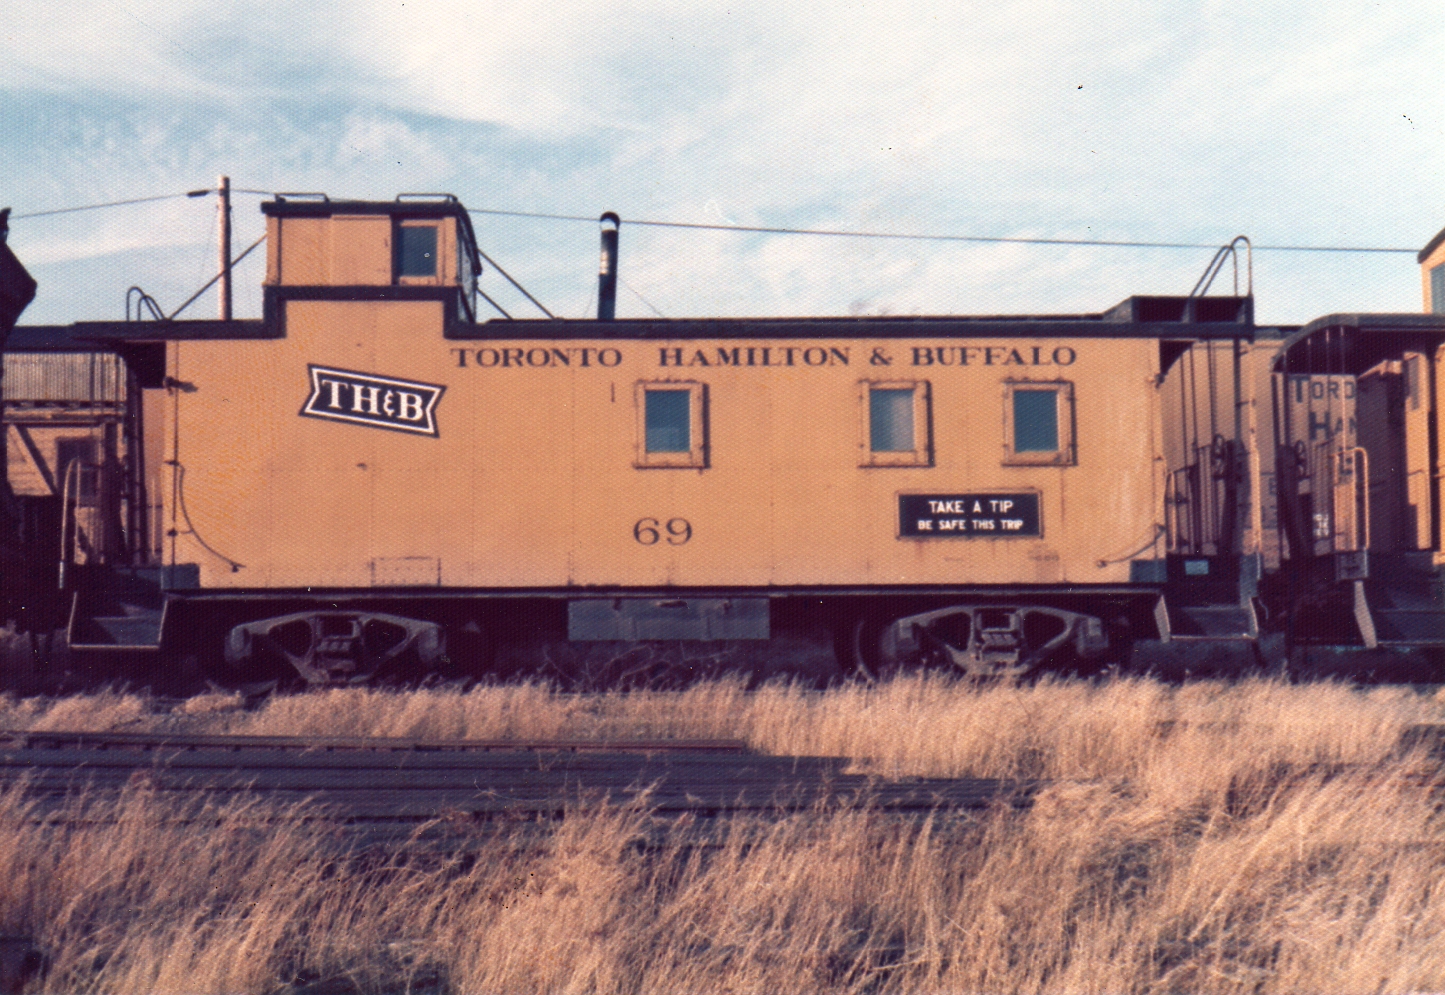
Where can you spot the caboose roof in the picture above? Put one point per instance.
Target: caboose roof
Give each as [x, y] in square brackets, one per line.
[1431, 246]
[1166, 318]
[318, 205]
[1352, 343]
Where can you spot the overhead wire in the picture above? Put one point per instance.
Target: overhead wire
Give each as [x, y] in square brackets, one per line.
[771, 229]
[113, 203]
[644, 300]
[844, 233]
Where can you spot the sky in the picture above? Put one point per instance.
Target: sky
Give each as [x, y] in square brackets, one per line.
[1180, 122]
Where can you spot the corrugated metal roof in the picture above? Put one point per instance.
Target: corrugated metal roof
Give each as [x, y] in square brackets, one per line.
[74, 377]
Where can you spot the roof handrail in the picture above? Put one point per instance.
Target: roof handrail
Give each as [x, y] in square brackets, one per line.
[1217, 263]
[144, 301]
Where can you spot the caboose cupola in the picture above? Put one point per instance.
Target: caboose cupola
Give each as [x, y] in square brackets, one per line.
[417, 247]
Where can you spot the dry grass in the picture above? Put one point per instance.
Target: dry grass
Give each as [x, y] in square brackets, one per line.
[1211, 855]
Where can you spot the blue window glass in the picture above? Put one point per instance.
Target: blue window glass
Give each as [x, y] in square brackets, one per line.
[1036, 421]
[890, 420]
[418, 250]
[1437, 289]
[669, 421]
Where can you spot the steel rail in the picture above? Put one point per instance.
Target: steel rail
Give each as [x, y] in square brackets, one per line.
[359, 783]
[35, 738]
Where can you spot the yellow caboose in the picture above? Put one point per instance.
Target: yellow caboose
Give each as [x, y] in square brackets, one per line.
[369, 469]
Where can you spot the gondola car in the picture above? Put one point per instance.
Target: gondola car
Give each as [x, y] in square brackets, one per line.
[369, 478]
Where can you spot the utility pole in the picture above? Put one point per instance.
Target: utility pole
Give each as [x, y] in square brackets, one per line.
[223, 188]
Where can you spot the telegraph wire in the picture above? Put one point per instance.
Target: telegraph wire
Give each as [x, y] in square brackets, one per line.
[113, 203]
[133, 200]
[771, 230]
[836, 232]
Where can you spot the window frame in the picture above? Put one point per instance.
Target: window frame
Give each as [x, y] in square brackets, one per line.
[443, 272]
[696, 456]
[922, 452]
[1437, 289]
[1067, 453]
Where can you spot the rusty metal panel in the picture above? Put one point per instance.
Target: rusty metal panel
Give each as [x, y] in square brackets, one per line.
[602, 619]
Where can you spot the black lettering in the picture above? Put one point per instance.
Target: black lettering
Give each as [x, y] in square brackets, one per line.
[1014, 358]
[488, 357]
[532, 355]
[461, 356]
[988, 354]
[1064, 356]
[840, 355]
[923, 356]
[663, 354]
[965, 353]
[609, 357]
[562, 356]
[879, 357]
[788, 351]
[512, 357]
[698, 359]
[725, 358]
[1036, 356]
[816, 356]
[586, 354]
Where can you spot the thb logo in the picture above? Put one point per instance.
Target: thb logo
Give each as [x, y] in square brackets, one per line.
[365, 399]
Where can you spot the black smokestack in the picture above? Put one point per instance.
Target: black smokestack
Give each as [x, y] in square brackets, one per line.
[607, 272]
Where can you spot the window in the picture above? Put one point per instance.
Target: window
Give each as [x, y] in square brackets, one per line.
[895, 429]
[417, 252]
[671, 424]
[1038, 423]
[80, 482]
[1437, 289]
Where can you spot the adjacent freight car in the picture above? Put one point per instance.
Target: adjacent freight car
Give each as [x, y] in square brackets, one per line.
[369, 478]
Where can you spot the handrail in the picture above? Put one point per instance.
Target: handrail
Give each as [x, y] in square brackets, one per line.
[1217, 263]
[142, 300]
[69, 519]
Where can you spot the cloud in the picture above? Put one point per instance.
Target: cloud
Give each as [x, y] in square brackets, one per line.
[1131, 121]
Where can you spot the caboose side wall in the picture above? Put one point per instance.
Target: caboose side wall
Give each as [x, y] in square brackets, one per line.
[532, 479]
[348, 250]
[1432, 274]
[1199, 399]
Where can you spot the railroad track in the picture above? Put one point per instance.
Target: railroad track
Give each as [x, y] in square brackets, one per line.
[379, 789]
[385, 787]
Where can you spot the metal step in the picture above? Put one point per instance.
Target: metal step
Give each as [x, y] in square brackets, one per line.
[136, 629]
[1410, 626]
[1212, 622]
[1406, 612]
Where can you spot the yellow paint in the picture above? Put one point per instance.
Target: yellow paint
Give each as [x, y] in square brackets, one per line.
[534, 479]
